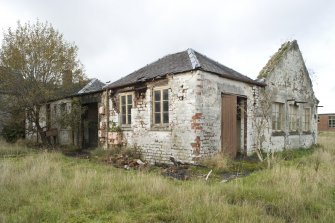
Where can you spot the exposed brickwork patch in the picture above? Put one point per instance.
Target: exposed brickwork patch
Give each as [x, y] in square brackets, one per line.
[196, 121]
[196, 146]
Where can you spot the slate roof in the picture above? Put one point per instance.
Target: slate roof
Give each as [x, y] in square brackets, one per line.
[178, 63]
[93, 86]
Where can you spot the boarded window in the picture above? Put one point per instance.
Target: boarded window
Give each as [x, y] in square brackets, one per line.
[277, 116]
[126, 104]
[293, 118]
[307, 120]
[331, 121]
[161, 106]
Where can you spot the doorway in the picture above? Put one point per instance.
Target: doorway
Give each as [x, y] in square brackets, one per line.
[90, 126]
[233, 124]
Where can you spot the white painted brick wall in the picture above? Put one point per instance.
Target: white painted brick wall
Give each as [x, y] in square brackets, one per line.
[290, 80]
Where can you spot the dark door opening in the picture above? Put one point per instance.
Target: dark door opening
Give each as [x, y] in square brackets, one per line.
[90, 126]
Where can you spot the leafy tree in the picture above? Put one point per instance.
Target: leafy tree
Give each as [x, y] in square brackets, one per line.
[38, 65]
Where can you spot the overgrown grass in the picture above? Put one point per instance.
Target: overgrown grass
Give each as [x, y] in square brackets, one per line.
[49, 187]
[13, 150]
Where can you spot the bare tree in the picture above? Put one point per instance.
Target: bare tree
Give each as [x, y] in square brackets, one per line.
[263, 122]
[35, 58]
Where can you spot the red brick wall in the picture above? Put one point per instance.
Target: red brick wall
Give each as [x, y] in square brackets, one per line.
[323, 122]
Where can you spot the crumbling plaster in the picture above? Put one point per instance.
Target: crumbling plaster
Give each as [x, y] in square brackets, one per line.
[194, 129]
[290, 81]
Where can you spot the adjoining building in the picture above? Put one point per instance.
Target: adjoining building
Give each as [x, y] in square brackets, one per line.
[188, 106]
[85, 132]
[326, 122]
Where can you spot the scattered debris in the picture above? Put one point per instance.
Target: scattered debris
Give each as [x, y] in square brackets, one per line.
[209, 173]
[125, 162]
[139, 162]
[177, 172]
[176, 162]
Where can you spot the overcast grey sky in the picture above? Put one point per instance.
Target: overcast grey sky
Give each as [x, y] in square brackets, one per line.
[118, 37]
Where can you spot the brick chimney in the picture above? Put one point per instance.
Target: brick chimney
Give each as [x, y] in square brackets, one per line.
[67, 78]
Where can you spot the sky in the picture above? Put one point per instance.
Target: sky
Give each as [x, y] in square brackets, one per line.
[116, 38]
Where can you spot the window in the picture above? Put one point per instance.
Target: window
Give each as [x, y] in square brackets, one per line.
[126, 103]
[277, 116]
[293, 118]
[307, 120]
[161, 106]
[331, 121]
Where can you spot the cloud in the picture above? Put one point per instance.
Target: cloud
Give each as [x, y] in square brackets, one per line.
[118, 37]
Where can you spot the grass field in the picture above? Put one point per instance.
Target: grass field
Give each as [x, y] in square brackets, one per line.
[50, 187]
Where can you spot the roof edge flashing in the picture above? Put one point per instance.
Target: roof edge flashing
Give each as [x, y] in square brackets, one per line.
[83, 90]
[193, 58]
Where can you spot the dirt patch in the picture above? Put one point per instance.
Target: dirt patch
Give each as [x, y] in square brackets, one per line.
[228, 176]
[126, 162]
[177, 172]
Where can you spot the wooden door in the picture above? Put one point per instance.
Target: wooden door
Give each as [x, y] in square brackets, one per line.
[228, 125]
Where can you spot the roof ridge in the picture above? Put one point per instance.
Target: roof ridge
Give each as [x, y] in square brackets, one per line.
[193, 58]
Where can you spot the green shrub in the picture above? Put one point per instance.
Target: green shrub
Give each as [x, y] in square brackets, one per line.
[13, 132]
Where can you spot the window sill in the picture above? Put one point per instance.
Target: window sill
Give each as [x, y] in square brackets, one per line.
[163, 128]
[278, 133]
[126, 128]
[293, 133]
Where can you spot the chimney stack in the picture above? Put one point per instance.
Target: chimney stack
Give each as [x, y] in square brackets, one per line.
[67, 78]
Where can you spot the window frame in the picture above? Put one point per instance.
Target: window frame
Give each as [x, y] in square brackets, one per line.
[161, 112]
[331, 121]
[128, 122]
[306, 126]
[277, 117]
[293, 118]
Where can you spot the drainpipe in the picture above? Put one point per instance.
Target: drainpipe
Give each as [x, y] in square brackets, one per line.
[107, 116]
